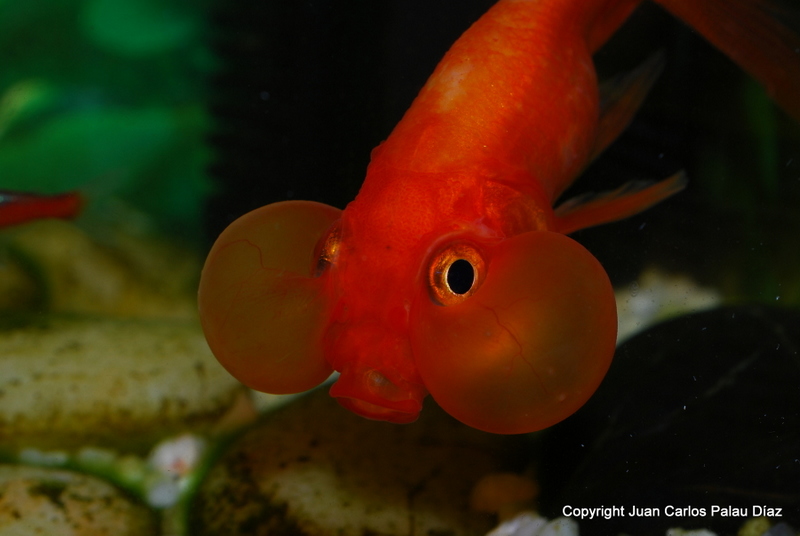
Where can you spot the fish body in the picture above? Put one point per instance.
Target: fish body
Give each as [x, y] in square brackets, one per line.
[451, 274]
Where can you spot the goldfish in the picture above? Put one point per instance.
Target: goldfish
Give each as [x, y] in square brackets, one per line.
[18, 207]
[451, 273]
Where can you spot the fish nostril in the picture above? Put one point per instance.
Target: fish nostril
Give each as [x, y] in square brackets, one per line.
[382, 386]
[378, 380]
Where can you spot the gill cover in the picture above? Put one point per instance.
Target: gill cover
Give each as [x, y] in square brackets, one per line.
[524, 341]
[261, 307]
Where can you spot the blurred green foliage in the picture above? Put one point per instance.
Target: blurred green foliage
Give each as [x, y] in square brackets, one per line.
[108, 97]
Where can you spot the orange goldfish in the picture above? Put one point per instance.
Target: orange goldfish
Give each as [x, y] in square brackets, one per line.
[451, 274]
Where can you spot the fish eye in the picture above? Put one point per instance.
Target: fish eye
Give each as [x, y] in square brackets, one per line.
[460, 276]
[455, 273]
[327, 248]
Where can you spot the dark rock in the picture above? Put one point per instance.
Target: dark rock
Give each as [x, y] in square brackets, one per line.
[702, 411]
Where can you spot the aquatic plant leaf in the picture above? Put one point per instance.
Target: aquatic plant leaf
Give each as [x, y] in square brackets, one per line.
[137, 27]
[76, 149]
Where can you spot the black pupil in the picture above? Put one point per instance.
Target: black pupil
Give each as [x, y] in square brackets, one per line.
[460, 276]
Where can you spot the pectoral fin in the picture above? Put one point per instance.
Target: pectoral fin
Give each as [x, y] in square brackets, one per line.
[592, 209]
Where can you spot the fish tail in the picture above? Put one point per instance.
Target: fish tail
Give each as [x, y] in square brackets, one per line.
[749, 32]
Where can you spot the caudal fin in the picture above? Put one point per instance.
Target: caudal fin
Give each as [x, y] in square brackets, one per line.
[749, 32]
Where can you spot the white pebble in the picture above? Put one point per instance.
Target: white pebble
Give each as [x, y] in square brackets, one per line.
[694, 532]
[532, 524]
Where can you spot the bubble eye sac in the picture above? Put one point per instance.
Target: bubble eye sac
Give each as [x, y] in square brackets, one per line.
[262, 309]
[532, 342]
[456, 273]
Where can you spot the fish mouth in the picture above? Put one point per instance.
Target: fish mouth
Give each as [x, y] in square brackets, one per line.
[377, 413]
[372, 395]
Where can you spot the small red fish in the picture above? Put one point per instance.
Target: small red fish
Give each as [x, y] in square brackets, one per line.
[17, 207]
[451, 274]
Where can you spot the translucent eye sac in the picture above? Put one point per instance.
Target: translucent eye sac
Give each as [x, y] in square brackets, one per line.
[529, 345]
[455, 273]
[261, 307]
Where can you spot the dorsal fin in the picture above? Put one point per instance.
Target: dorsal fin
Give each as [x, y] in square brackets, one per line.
[621, 97]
